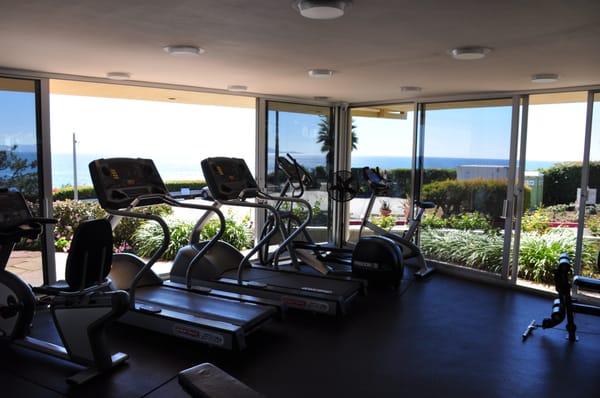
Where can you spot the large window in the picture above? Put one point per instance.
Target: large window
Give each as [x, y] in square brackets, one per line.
[19, 160]
[382, 137]
[591, 232]
[176, 129]
[464, 170]
[305, 133]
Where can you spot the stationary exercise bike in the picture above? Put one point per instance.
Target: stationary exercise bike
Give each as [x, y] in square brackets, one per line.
[81, 305]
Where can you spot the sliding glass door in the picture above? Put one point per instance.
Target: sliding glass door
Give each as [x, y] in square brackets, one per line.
[464, 168]
[305, 133]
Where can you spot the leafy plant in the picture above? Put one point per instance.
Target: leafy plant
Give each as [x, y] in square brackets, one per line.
[238, 234]
[536, 221]
[473, 220]
[538, 254]
[385, 222]
[433, 221]
[148, 238]
[593, 224]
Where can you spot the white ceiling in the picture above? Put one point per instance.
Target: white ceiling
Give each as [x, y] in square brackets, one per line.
[376, 48]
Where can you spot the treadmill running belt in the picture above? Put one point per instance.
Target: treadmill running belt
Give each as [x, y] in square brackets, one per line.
[240, 314]
[297, 281]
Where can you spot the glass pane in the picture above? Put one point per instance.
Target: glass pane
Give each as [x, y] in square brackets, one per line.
[591, 235]
[554, 152]
[18, 165]
[176, 129]
[466, 152]
[382, 138]
[304, 132]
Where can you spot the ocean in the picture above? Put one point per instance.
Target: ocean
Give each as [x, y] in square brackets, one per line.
[178, 169]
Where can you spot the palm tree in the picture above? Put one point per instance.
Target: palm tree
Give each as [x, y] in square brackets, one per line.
[327, 140]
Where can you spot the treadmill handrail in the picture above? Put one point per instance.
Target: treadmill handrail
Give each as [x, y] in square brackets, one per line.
[211, 242]
[264, 240]
[167, 199]
[157, 254]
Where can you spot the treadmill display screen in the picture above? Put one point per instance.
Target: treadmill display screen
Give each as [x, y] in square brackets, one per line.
[120, 181]
[228, 177]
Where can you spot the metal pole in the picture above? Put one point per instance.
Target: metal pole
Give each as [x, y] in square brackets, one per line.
[75, 193]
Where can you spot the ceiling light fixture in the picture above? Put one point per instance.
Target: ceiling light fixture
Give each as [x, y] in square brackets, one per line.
[118, 75]
[544, 78]
[320, 73]
[237, 88]
[184, 50]
[410, 89]
[469, 53]
[322, 9]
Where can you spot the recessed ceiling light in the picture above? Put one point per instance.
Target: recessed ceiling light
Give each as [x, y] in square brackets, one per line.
[118, 75]
[544, 78]
[469, 53]
[321, 9]
[411, 89]
[184, 50]
[237, 88]
[320, 73]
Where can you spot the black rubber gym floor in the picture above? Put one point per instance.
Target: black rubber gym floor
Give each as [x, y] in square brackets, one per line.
[446, 337]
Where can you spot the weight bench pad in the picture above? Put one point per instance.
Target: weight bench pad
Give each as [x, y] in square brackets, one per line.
[208, 381]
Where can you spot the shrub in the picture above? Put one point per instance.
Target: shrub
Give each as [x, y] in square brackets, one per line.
[538, 254]
[593, 224]
[238, 234]
[385, 222]
[536, 221]
[148, 238]
[433, 221]
[472, 249]
[473, 220]
[71, 213]
[465, 221]
[455, 197]
[562, 180]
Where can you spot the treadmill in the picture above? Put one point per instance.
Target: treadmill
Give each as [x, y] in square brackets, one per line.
[200, 315]
[231, 183]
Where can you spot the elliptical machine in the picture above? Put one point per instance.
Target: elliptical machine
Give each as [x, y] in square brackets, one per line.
[81, 306]
[375, 258]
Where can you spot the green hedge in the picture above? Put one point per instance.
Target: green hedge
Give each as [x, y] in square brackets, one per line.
[456, 197]
[562, 180]
[87, 192]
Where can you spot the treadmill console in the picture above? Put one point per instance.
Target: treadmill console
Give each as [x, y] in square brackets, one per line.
[120, 181]
[228, 177]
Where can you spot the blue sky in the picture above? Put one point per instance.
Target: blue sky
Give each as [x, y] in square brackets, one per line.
[17, 118]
